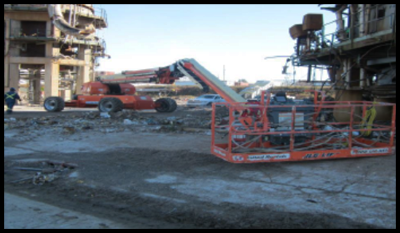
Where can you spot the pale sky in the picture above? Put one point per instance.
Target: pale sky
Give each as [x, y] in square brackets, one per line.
[237, 36]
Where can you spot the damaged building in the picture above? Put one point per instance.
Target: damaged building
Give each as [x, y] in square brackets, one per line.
[358, 49]
[51, 49]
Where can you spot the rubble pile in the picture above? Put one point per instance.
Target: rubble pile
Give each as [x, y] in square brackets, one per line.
[182, 121]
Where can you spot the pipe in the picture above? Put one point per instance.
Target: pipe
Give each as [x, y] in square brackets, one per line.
[70, 14]
[74, 24]
[7, 37]
[362, 20]
[394, 27]
[367, 16]
[57, 17]
[340, 22]
[353, 19]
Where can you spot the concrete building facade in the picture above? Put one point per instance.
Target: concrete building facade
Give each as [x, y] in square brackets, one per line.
[41, 47]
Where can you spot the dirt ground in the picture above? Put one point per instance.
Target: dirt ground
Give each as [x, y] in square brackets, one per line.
[151, 170]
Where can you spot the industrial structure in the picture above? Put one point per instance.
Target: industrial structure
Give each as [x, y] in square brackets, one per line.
[358, 49]
[52, 44]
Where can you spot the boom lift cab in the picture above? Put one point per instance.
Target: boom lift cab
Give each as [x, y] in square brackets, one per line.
[98, 88]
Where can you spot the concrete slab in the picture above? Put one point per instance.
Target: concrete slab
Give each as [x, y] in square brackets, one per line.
[22, 213]
[179, 169]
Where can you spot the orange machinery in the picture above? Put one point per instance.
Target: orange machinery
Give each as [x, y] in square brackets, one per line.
[278, 130]
[275, 129]
[112, 93]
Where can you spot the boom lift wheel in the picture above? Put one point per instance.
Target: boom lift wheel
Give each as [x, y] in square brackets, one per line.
[54, 104]
[173, 105]
[165, 105]
[110, 105]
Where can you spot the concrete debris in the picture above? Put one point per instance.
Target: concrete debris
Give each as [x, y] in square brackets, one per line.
[115, 115]
[128, 122]
[68, 125]
[112, 130]
[92, 115]
[69, 130]
[45, 171]
[171, 118]
[40, 179]
[104, 115]
[86, 127]
[10, 120]
[151, 121]
[156, 128]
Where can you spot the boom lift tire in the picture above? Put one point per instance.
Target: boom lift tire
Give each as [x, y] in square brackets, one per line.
[174, 106]
[54, 104]
[110, 105]
[165, 105]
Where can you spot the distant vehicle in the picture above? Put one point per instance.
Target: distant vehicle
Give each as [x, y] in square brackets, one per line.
[204, 100]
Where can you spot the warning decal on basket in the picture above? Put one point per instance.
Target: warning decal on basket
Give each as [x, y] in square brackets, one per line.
[219, 152]
[370, 151]
[268, 157]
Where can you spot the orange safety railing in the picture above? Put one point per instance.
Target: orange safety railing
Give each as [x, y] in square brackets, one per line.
[265, 132]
